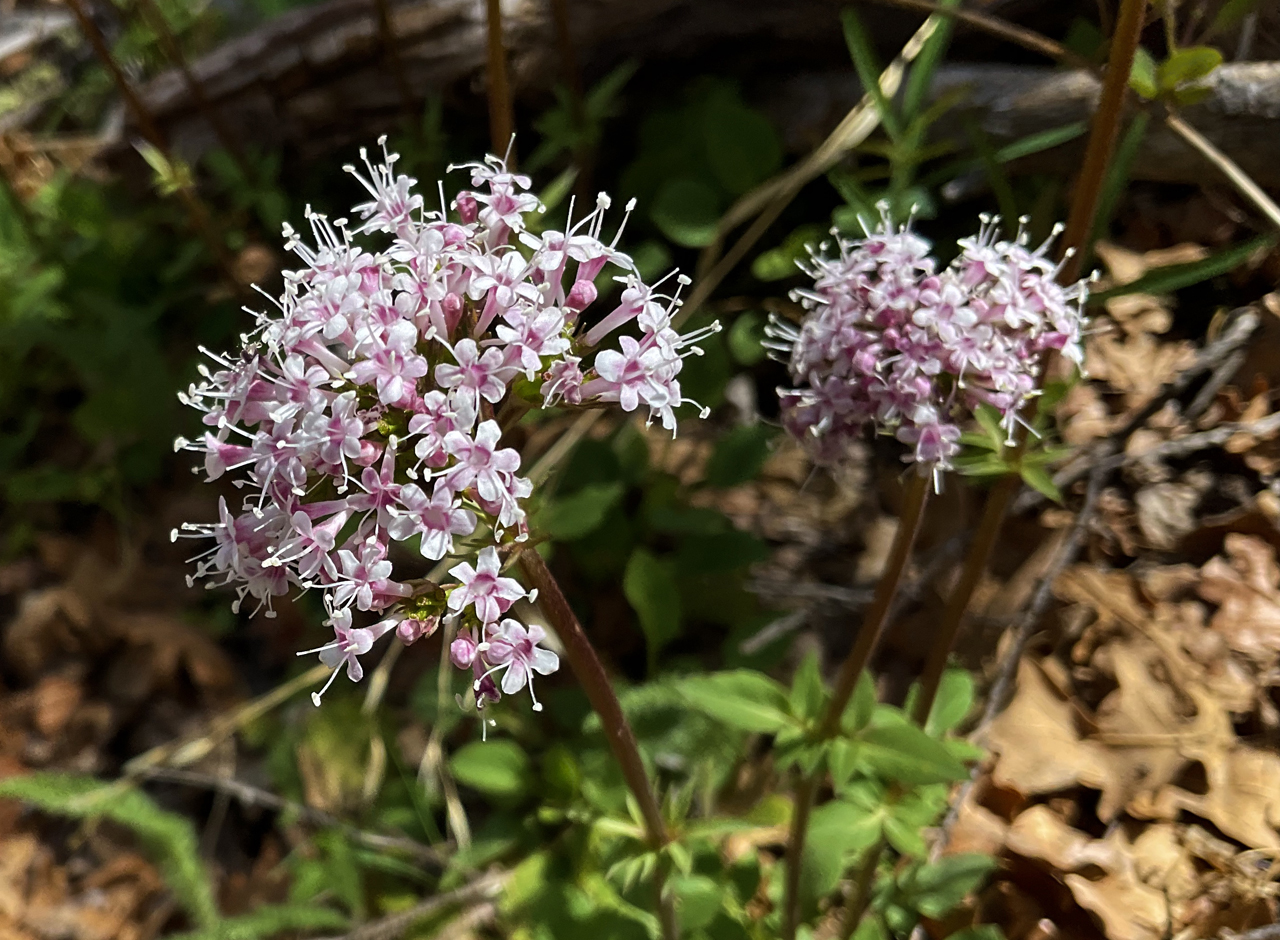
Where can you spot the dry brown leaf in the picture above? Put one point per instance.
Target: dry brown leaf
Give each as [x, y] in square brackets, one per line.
[1144, 726]
[1128, 909]
[1038, 747]
[1041, 833]
[1245, 586]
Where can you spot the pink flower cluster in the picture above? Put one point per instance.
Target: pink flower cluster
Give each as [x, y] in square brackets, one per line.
[369, 408]
[890, 341]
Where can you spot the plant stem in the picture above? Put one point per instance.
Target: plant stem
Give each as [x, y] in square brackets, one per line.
[501, 112]
[915, 496]
[590, 672]
[1103, 135]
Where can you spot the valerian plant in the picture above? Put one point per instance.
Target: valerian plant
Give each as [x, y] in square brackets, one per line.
[368, 407]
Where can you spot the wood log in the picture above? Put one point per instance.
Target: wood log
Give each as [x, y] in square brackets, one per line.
[1241, 115]
[317, 80]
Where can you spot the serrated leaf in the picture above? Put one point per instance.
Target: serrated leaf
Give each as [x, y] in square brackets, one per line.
[496, 768]
[741, 698]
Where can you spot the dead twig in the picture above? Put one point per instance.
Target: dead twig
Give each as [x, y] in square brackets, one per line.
[397, 925]
[1214, 358]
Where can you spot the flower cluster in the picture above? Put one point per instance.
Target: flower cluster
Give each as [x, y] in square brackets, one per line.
[891, 341]
[369, 406]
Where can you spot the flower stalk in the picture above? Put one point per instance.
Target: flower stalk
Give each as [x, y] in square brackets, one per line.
[588, 669]
[916, 495]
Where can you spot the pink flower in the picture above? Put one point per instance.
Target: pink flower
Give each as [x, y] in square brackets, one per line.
[484, 588]
[480, 376]
[437, 519]
[513, 649]
[481, 463]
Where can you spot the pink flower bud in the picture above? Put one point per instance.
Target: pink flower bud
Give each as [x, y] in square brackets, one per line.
[410, 631]
[468, 209]
[462, 651]
[581, 296]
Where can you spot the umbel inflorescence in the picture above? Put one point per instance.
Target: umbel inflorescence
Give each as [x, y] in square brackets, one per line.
[891, 341]
[369, 407]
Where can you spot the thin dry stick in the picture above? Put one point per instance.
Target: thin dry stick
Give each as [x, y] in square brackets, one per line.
[502, 122]
[155, 18]
[397, 925]
[767, 201]
[1228, 167]
[915, 497]
[387, 36]
[994, 25]
[595, 683]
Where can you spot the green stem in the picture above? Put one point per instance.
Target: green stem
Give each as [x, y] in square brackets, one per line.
[595, 682]
[915, 497]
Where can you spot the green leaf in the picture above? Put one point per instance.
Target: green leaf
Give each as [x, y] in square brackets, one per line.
[575, 516]
[1142, 77]
[1040, 480]
[741, 698]
[687, 211]
[496, 768]
[650, 586]
[952, 703]
[895, 749]
[782, 262]
[1231, 14]
[739, 456]
[905, 837]
[169, 839]
[741, 145]
[698, 900]
[1187, 65]
[836, 829]
[808, 691]
[936, 888]
[862, 705]
[746, 338]
[1177, 276]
